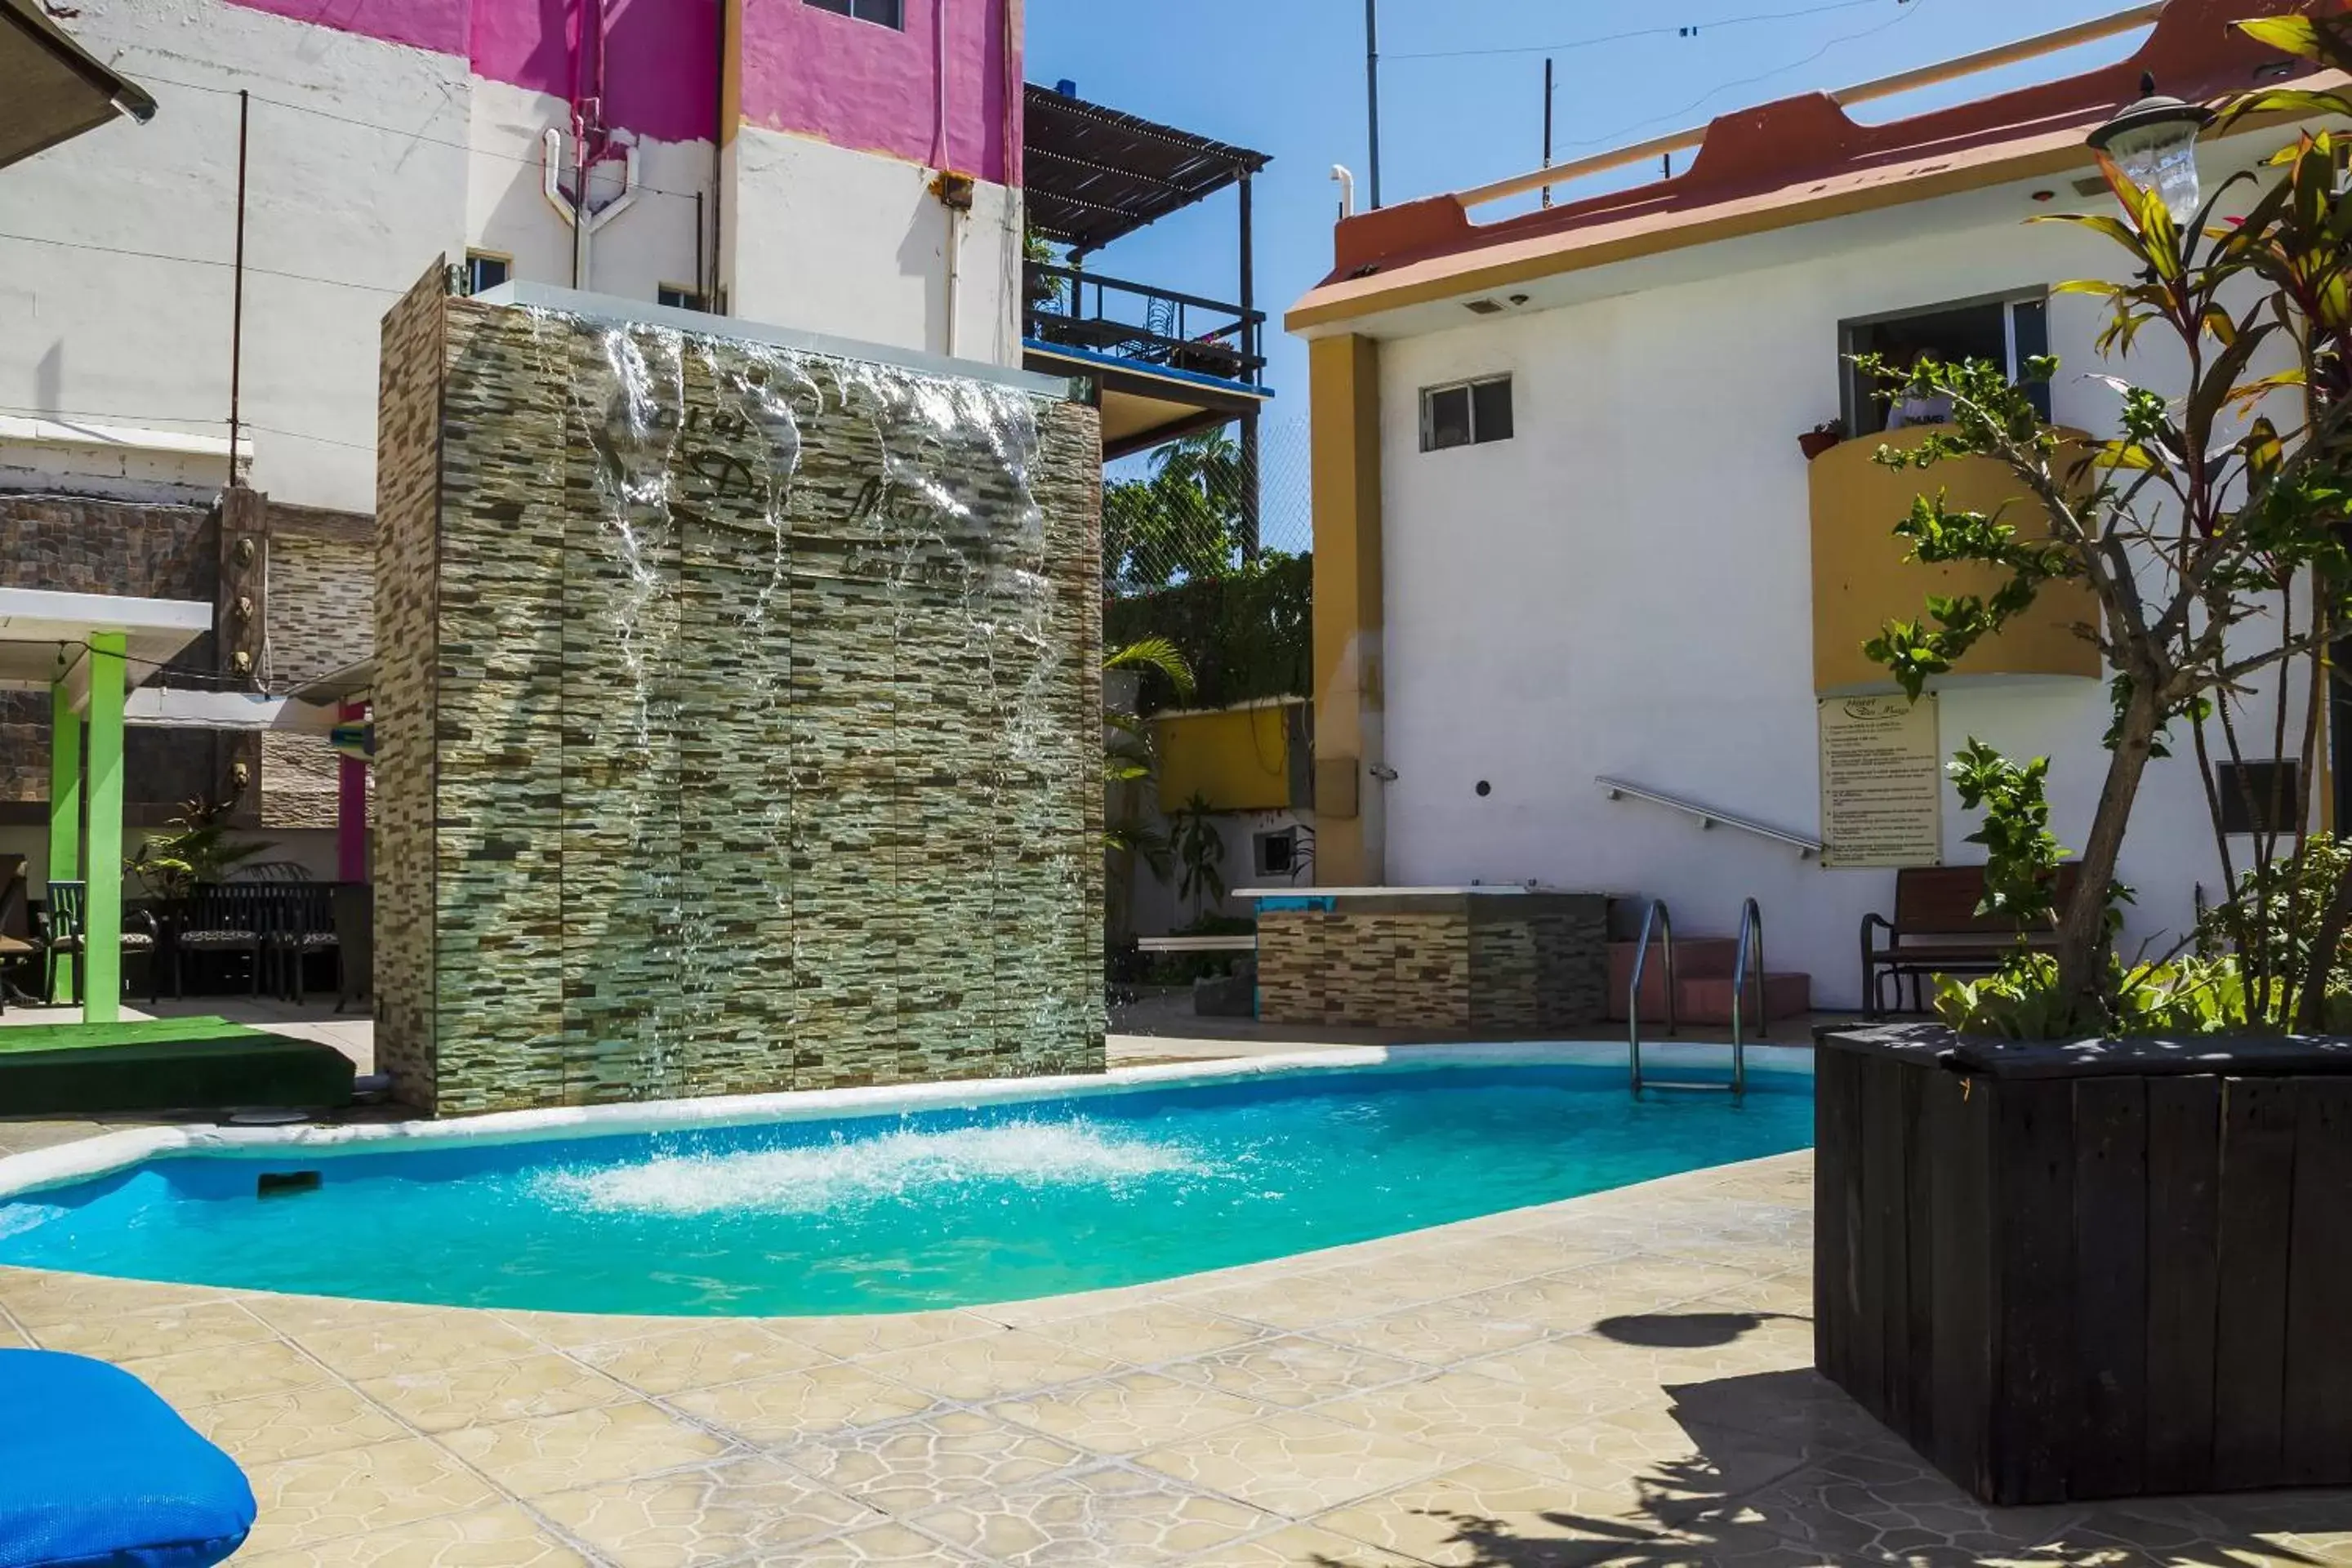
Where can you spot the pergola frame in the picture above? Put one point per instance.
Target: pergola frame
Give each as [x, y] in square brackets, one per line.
[88, 650]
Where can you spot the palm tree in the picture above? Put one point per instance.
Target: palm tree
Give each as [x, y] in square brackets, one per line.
[1128, 755]
[1186, 521]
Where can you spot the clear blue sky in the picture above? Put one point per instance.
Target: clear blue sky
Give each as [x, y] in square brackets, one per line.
[1286, 77]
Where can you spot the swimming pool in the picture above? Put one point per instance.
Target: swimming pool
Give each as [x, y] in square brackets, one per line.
[963, 1196]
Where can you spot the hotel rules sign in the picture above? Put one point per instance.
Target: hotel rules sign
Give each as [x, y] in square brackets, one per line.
[1882, 782]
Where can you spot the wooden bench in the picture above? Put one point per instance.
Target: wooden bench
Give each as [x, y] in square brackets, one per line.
[1937, 931]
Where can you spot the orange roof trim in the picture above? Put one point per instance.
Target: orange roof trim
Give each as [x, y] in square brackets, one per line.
[1787, 163]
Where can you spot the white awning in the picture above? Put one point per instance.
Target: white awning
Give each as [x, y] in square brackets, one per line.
[44, 635]
[176, 708]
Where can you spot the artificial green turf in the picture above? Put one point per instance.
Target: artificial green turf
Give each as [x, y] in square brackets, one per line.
[15, 1037]
[165, 1064]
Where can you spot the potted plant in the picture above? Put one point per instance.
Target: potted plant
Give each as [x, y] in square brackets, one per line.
[2084, 1237]
[1820, 438]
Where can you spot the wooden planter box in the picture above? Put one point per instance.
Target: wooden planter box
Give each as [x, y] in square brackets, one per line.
[2093, 1270]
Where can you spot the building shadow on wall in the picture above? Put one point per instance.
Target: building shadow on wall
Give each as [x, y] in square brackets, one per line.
[1781, 1469]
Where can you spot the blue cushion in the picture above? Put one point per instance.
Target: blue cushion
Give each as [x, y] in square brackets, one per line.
[97, 1472]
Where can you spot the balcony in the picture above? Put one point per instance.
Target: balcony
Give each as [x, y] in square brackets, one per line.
[1160, 362]
[1167, 364]
[1861, 580]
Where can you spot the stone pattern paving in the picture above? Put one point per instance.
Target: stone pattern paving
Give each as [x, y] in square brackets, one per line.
[1618, 1380]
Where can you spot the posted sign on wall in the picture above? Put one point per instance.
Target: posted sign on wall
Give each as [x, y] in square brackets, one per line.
[1882, 782]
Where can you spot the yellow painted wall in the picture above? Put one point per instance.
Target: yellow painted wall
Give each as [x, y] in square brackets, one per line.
[1344, 416]
[1239, 759]
[1861, 580]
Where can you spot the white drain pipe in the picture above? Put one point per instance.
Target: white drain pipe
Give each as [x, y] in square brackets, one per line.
[574, 209]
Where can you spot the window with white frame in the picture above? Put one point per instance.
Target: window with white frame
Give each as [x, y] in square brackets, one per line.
[886, 13]
[485, 270]
[678, 297]
[2006, 330]
[1467, 413]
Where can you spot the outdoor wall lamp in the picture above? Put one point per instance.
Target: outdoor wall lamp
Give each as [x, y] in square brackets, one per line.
[2154, 141]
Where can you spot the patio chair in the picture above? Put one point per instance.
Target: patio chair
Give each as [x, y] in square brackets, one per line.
[302, 923]
[354, 907]
[63, 932]
[219, 917]
[17, 947]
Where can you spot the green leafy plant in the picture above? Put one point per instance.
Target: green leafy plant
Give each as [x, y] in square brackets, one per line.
[1129, 754]
[197, 848]
[1044, 288]
[1200, 855]
[1184, 522]
[1248, 634]
[2022, 855]
[2025, 1000]
[2192, 529]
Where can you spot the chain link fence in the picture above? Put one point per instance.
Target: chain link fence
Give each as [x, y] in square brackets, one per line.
[1206, 506]
[1205, 543]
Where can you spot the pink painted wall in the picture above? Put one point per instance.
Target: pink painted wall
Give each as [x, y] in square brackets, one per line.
[661, 58]
[856, 84]
[805, 71]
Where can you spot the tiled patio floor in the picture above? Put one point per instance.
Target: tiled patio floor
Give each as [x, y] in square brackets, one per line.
[1623, 1379]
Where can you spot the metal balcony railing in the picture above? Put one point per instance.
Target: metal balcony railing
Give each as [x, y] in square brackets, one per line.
[1089, 311]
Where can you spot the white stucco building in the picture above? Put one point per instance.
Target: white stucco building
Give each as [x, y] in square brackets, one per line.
[779, 158]
[1565, 531]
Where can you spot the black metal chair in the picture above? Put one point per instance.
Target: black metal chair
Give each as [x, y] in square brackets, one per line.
[354, 908]
[63, 927]
[301, 923]
[220, 918]
[18, 947]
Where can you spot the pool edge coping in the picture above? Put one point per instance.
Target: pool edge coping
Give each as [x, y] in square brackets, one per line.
[107, 1153]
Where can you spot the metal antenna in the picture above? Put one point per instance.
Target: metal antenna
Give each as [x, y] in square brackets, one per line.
[1372, 89]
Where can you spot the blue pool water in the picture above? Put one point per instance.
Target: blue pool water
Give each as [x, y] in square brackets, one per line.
[937, 1208]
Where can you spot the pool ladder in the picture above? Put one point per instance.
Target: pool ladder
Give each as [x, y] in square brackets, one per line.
[1658, 928]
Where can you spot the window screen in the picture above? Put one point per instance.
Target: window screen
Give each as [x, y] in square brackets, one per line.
[2251, 791]
[1472, 414]
[1490, 411]
[1445, 420]
[889, 13]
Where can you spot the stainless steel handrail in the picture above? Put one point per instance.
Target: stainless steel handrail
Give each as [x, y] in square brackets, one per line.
[1658, 919]
[1751, 924]
[1806, 848]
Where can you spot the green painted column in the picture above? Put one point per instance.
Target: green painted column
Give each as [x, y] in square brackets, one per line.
[65, 811]
[103, 954]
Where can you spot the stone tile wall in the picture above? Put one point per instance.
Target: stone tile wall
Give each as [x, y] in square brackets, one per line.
[321, 609]
[1497, 966]
[755, 744]
[74, 544]
[318, 615]
[407, 505]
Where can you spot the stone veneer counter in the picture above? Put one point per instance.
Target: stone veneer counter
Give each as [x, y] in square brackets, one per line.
[1506, 960]
[738, 713]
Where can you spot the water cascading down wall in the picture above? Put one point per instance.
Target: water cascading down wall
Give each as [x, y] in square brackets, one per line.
[738, 716]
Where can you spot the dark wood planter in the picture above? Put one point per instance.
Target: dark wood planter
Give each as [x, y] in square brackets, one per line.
[2093, 1270]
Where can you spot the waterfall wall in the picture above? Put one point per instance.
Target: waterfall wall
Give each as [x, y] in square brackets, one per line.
[738, 716]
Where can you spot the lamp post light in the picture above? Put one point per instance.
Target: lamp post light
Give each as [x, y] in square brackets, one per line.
[2154, 141]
